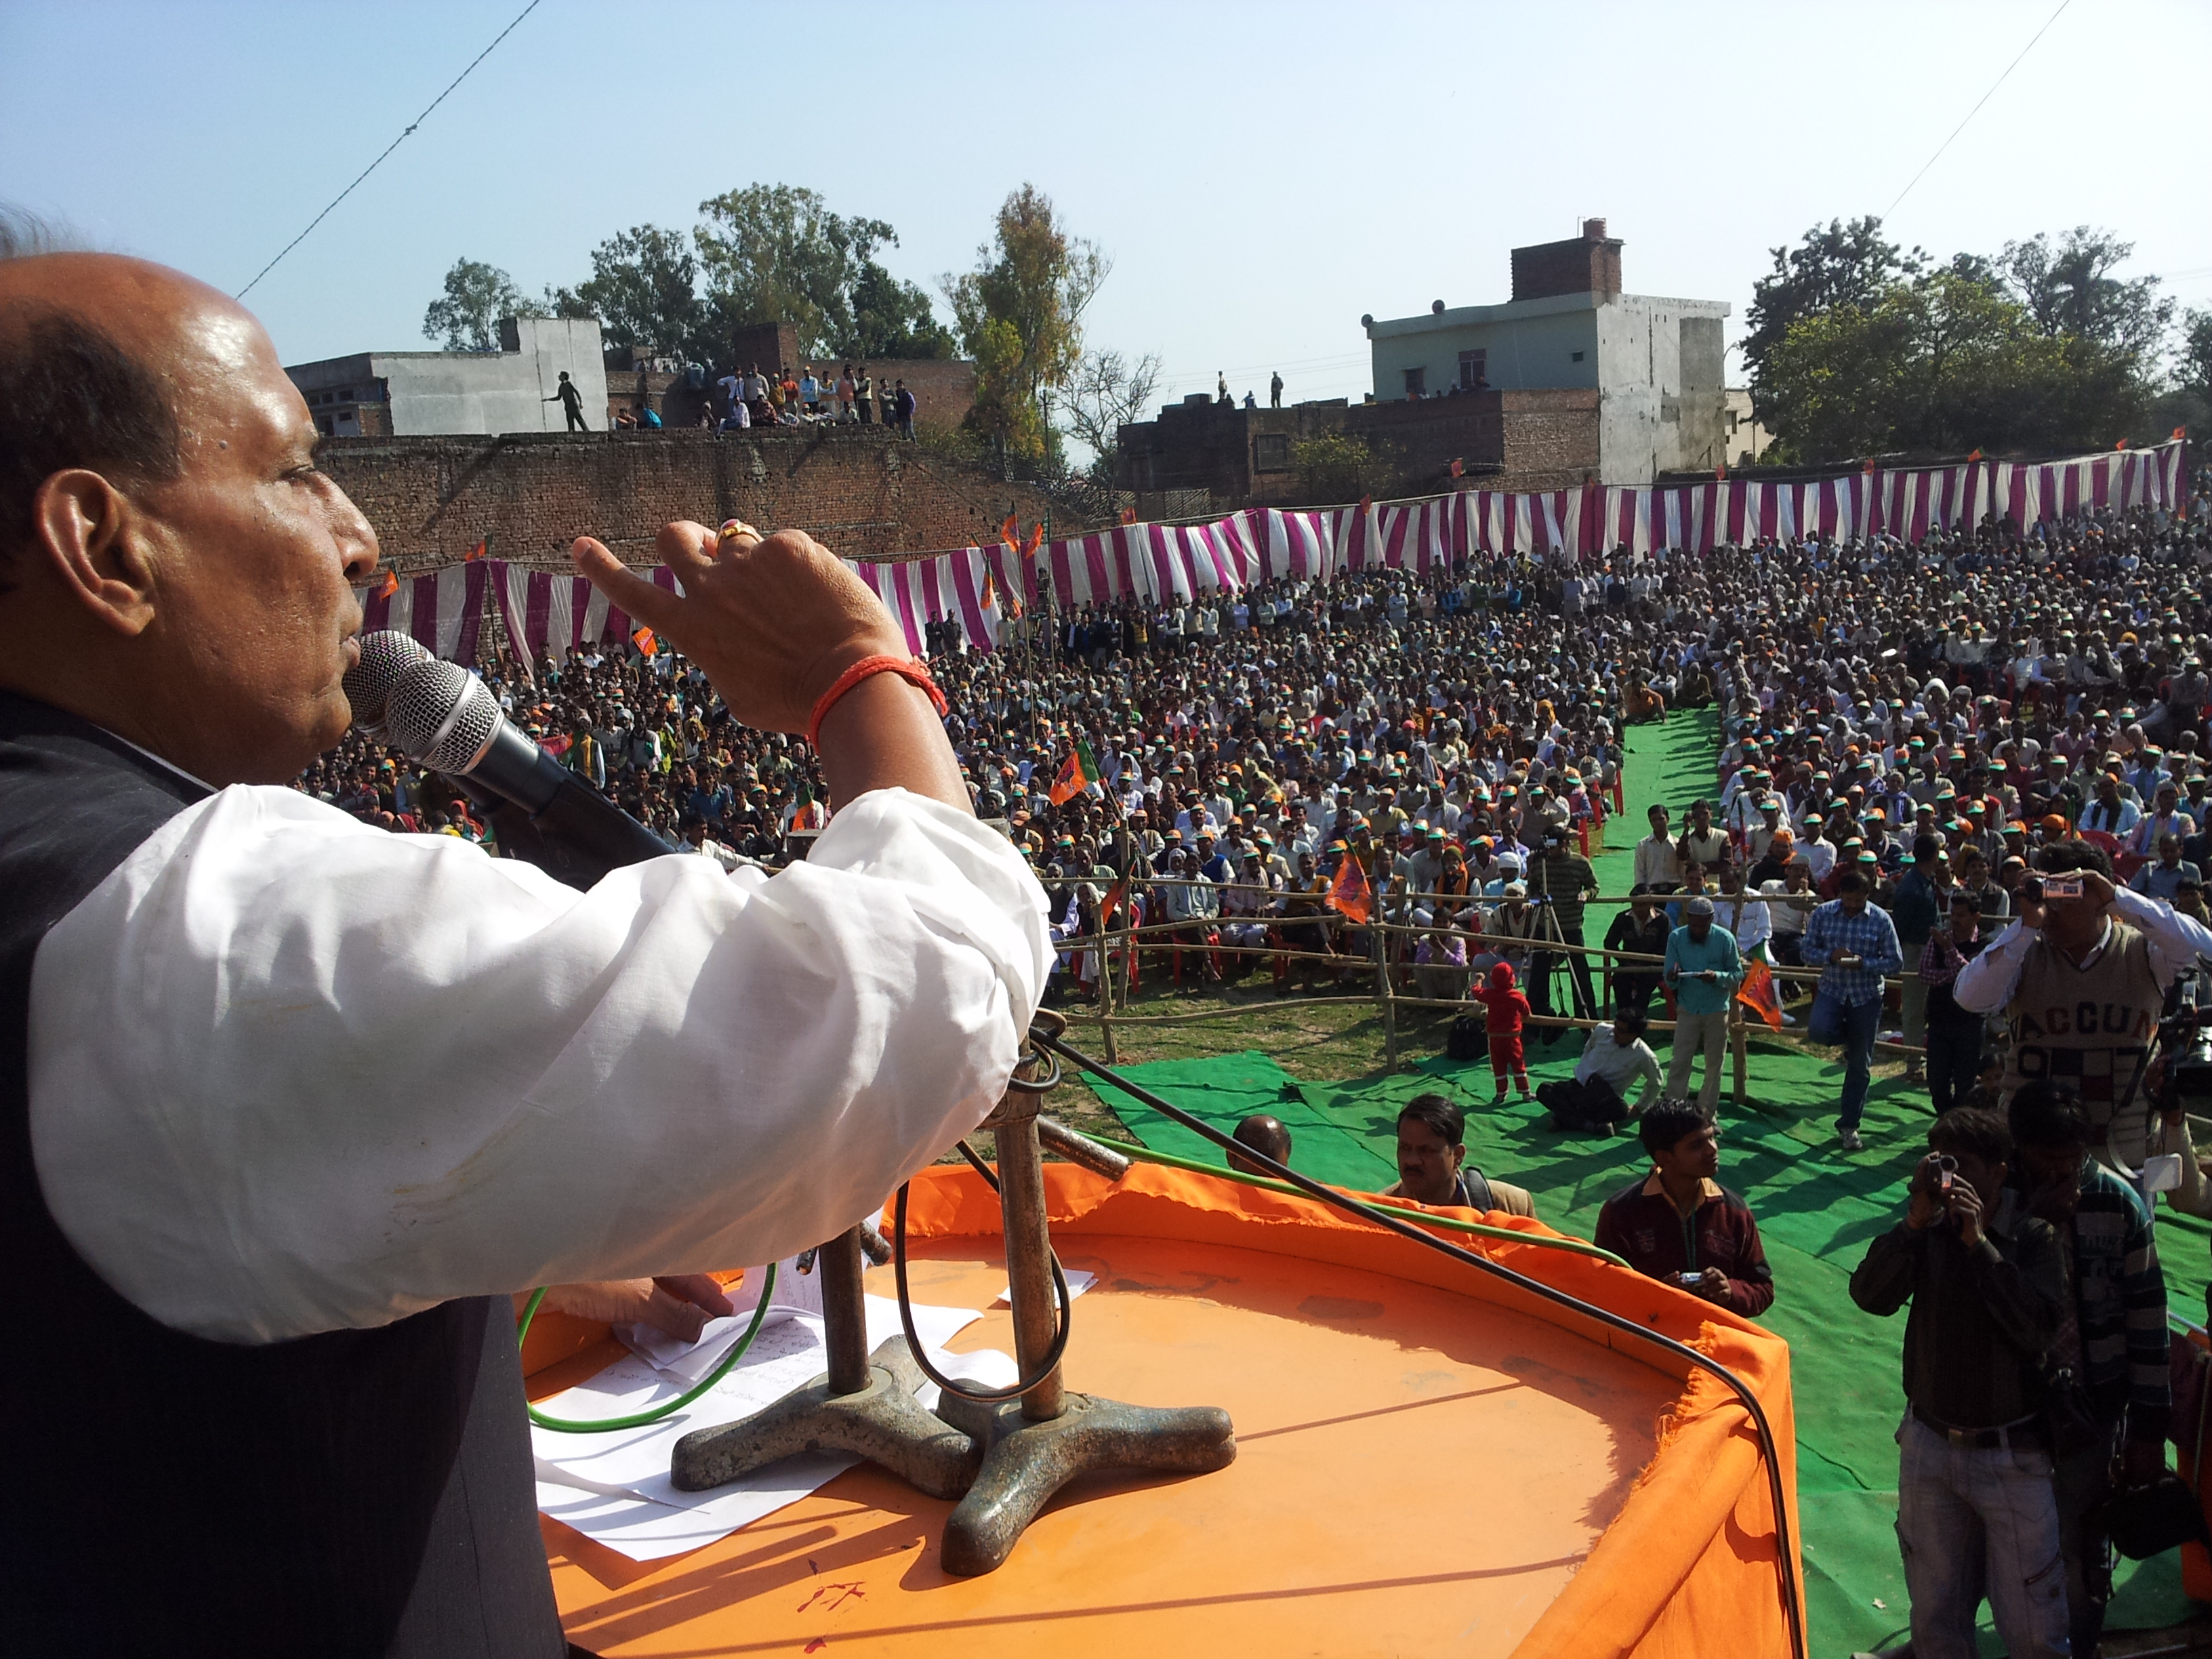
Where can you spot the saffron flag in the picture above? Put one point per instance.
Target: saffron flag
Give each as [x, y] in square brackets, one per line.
[1458, 467]
[646, 644]
[1758, 992]
[1011, 531]
[1128, 515]
[390, 585]
[1116, 897]
[1349, 893]
[1721, 471]
[989, 596]
[1036, 540]
[1976, 454]
[2180, 433]
[481, 547]
[556, 747]
[2123, 444]
[1077, 773]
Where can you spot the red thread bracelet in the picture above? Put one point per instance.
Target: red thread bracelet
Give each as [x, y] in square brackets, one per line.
[905, 668]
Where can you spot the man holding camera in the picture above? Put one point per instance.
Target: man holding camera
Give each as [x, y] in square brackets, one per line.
[1975, 1510]
[1565, 878]
[2082, 975]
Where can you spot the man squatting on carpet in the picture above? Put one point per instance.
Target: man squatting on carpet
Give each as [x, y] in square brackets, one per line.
[291, 1105]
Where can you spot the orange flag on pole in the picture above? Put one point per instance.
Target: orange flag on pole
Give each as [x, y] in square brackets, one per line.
[646, 643]
[1011, 531]
[1036, 540]
[1349, 893]
[481, 547]
[1128, 515]
[390, 585]
[1758, 993]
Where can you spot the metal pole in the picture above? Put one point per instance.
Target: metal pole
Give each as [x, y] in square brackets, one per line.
[1390, 1006]
[839, 1263]
[1029, 1246]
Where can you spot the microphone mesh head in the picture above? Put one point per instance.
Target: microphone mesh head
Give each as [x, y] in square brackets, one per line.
[442, 715]
[385, 656]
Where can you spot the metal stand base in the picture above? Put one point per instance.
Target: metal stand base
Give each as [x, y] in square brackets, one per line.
[882, 1423]
[1030, 1460]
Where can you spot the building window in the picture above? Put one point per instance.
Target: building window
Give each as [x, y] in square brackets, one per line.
[1578, 356]
[1271, 453]
[1473, 369]
[1416, 382]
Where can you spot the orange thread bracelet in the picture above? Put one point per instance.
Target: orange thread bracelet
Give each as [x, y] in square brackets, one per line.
[905, 668]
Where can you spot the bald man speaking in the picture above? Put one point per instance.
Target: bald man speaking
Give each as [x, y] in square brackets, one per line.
[289, 1105]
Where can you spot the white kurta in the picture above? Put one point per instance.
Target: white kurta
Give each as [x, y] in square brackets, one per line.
[291, 1073]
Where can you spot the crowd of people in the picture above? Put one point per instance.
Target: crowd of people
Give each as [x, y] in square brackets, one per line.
[1965, 787]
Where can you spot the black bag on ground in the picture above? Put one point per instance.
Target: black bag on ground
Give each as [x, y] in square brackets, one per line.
[1466, 1040]
[1590, 1108]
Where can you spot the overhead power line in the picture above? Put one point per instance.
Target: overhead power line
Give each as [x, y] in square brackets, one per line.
[1977, 109]
[389, 148]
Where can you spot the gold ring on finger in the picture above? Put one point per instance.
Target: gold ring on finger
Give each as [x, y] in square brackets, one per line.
[734, 528]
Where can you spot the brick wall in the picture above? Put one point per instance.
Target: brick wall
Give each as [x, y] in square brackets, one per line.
[856, 489]
[1550, 438]
[1238, 457]
[1587, 264]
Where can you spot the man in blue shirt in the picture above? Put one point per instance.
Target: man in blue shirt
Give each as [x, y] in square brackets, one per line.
[1855, 944]
[1703, 970]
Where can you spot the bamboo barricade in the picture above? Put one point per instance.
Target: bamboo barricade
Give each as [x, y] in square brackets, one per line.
[1385, 996]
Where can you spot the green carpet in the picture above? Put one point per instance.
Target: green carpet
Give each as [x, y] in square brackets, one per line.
[1816, 1209]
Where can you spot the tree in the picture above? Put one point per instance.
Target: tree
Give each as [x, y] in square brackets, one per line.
[893, 319]
[1020, 316]
[1939, 364]
[1107, 393]
[1846, 264]
[643, 290]
[2195, 370]
[1334, 466]
[774, 253]
[2070, 289]
[466, 318]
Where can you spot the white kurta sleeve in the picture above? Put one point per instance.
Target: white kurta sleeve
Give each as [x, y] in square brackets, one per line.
[291, 1073]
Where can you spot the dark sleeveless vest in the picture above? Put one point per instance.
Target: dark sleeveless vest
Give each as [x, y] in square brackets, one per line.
[363, 1492]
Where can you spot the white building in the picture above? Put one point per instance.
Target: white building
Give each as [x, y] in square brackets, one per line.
[1655, 363]
[404, 393]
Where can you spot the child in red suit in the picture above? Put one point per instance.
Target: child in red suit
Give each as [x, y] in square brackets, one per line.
[1504, 1009]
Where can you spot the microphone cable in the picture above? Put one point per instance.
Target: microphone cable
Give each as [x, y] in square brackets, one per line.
[651, 1413]
[1784, 1562]
[968, 1391]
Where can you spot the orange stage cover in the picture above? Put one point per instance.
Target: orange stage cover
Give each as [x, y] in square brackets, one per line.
[1334, 1312]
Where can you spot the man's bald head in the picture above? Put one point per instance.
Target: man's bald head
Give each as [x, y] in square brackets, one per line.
[74, 392]
[172, 565]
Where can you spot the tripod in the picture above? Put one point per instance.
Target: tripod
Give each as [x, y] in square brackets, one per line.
[1543, 963]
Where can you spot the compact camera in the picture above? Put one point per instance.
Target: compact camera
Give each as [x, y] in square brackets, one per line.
[2066, 886]
[1946, 1174]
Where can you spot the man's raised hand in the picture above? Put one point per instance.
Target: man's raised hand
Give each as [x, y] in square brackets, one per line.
[772, 620]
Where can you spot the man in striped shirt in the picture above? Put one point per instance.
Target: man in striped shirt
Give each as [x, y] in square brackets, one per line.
[2108, 1365]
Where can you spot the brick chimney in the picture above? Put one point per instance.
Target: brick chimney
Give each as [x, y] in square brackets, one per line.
[1588, 264]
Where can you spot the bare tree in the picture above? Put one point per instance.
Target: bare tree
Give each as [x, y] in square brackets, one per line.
[1107, 393]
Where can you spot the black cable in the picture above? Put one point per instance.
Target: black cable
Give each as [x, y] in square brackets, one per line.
[968, 1391]
[1769, 1456]
[388, 149]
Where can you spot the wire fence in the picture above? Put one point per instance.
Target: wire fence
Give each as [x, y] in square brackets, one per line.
[1115, 952]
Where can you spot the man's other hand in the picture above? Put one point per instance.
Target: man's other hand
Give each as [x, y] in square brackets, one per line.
[1966, 1211]
[680, 1305]
[773, 621]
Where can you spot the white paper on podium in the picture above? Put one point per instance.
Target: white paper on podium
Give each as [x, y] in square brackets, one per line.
[607, 1485]
[1078, 1282]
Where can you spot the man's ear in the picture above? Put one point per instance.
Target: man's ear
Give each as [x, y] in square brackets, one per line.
[92, 537]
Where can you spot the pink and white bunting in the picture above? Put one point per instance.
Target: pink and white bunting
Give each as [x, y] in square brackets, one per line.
[554, 613]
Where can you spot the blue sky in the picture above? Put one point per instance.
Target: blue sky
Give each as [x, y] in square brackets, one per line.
[1261, 174]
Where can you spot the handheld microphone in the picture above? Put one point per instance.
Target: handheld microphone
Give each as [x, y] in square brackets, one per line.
[444, 718]
[385, 656]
